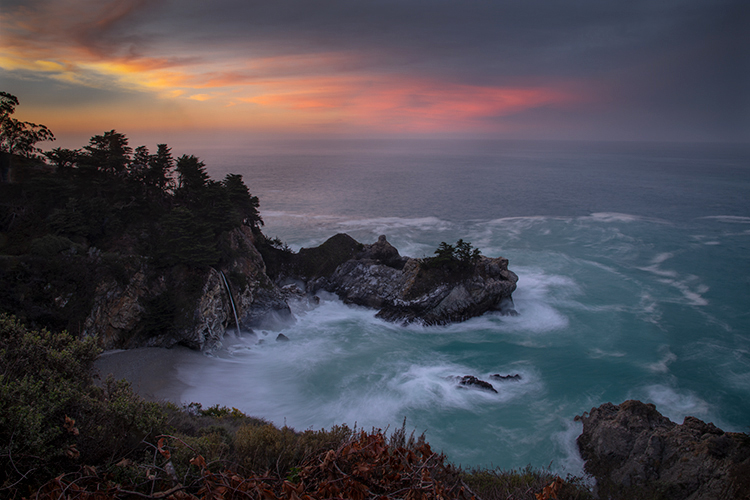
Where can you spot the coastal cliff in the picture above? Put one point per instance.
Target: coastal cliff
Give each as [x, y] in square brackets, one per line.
[199, 303]
[402, 289]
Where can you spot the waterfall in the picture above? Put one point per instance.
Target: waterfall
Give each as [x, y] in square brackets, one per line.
[231, 300]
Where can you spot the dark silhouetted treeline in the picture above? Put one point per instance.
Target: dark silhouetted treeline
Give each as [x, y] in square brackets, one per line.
[106, 210]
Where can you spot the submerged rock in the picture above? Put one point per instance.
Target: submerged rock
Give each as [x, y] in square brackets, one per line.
[633, 451]
[403, 289]
[513, 378]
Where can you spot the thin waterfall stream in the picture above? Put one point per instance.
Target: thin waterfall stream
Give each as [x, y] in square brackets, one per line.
[231, 300]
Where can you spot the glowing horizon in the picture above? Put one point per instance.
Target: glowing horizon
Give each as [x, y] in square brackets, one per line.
[136, 66]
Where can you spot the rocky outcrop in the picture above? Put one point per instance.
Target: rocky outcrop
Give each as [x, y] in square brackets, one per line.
[179, 305]
[635, 452]
[403, 289]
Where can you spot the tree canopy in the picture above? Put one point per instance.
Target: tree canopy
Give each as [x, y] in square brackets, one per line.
[108, 152]
[107, 192]
[17, 137]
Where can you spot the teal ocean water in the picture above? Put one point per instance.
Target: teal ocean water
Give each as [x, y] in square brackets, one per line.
[634, 282]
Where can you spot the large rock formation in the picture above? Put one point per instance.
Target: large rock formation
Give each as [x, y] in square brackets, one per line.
[403, 289]
[634, 452]
[178, 305]
[187, 307]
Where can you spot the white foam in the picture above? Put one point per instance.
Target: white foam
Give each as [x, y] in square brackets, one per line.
[740, 380]
[600, 353]
[613, 217]
[674, 404]
[648, 309]
[662, 366]
[664, 256]
[393, 391]
[536, 301]
[732, 219]
[565, 441]
[609, 217]
[690, 287]
[693, 297]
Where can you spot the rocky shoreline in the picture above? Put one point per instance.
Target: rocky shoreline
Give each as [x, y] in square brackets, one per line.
[402, 289]
[633, 451]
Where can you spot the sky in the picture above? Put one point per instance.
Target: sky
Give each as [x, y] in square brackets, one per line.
[657, 70]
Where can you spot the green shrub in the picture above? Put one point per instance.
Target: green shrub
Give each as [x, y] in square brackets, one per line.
[214, 445]
[52, 416]
[462, 256]
[43, 376]
[115, 422]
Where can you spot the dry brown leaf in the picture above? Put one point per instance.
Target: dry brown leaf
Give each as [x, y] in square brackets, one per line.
[70, 426]
[198, 461]
[72, 452]
[161, 447]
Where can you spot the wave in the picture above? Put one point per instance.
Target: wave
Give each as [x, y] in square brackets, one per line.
[690, 286]
[613, 217]
[674, 403]
[662, 366]
[565, 441]
[600, 353]
[424, 223]
[609, 217]
[731, 219]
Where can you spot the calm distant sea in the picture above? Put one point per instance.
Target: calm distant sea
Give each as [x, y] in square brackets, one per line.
[634, 282]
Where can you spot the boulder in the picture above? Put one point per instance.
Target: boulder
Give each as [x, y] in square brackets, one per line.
[633, 451]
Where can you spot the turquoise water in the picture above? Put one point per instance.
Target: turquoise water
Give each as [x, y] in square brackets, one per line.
[634, 282]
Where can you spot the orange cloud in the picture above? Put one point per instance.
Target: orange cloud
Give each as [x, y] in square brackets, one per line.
[405, 103]
[75, 41]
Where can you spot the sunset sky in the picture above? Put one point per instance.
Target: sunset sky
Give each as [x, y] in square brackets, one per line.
[531, 69]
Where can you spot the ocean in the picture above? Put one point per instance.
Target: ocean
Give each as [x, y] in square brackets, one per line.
[634, 283]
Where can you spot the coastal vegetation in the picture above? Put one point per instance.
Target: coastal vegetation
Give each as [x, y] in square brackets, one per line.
[462, 255]
[67, 435]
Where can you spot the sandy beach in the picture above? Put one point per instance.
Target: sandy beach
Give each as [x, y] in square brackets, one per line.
[152, 371]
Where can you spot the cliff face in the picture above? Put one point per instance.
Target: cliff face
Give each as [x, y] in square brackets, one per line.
[179, 306]
[635, 452]
[258, 299]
